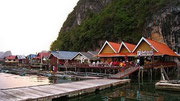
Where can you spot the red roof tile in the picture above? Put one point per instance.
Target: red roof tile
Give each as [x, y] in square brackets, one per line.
[115, 46]
[162, 48]
[130, 46]
[42, 54]
[10, 57]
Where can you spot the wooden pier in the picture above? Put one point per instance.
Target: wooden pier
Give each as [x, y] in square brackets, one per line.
[165, 85]
[49, 92]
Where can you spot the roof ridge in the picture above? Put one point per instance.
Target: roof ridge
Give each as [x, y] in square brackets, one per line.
[114, 42]
[156, 41]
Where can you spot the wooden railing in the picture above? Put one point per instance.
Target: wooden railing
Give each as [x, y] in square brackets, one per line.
[126, 72]
[99, 66]
[107, 66]
[161, 64]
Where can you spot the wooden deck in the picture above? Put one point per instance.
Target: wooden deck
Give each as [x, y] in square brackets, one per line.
[165, 85]
[49, 92]
[127, 72]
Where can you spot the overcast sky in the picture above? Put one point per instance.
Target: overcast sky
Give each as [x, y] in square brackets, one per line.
[30, 26]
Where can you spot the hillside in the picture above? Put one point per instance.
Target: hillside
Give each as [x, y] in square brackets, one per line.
[94, 21]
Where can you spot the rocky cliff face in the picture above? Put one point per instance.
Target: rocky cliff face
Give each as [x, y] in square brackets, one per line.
[94, 21]
[164, 26]
[4, 54]
[83, 10]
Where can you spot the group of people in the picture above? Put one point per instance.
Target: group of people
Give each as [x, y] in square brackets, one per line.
[110, 64]
[125, 63]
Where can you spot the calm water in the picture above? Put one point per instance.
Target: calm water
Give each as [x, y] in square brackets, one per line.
[12, 81]
[131, 92]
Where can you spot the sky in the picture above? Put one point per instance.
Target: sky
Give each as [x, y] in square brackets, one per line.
[30, 26]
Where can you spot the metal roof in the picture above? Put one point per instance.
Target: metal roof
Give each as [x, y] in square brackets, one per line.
[64, 55]
[93, 52]
[31, 56]
[88, 55]
[21, 57]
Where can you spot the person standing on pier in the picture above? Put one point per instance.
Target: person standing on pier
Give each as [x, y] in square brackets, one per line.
[54, 69]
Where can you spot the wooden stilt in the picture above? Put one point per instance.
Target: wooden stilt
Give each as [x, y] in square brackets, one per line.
[85, 71]
[151, 74]
[139, 75]
[165, 74]
[162, 75]
[142, 71]
[178, 70]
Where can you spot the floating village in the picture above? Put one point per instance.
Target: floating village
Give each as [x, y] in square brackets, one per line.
[115, 64]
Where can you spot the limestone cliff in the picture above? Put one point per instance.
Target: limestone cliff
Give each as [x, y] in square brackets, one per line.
[83, 10]
[164, 26]
[94, 21]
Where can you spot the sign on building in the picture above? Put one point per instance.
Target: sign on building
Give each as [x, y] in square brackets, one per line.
[144, 53]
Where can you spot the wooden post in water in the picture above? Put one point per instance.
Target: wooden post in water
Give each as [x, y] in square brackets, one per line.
[155, 74]
[151, 74]
[165, 74]
[162, 75]
[178, 68]
[139, 75]
[142, 71]
[92, 70]
[113, 71]
[85, 72]
[75, 68]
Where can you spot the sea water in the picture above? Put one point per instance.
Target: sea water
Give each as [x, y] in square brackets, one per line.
[132, 92]
[12, 81]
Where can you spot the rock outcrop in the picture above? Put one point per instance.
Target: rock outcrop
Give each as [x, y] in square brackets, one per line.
[83, 10]
[164, 26]
[4, 54]
[94, 21]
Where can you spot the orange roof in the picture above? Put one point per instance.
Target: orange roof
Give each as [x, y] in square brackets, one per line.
[162, 48]
[108, 55]
[115, 46]
[130, 46]
[116, 54]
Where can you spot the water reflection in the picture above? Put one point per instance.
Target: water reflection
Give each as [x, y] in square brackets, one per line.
[11, 80]
[131, 92]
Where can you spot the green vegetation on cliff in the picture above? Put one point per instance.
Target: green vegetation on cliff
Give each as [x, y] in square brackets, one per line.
[119, 20]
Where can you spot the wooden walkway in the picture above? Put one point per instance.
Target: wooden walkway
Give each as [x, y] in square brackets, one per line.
[49, 92]
[165, 85]
[125, 73]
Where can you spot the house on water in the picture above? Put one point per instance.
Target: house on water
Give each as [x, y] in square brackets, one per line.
[11, 60]
[59, 58]
[111, 52]
[30, 58]
[22, 60]
[86, 57]
[3, 55]
[148, 51]
[40, 60]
